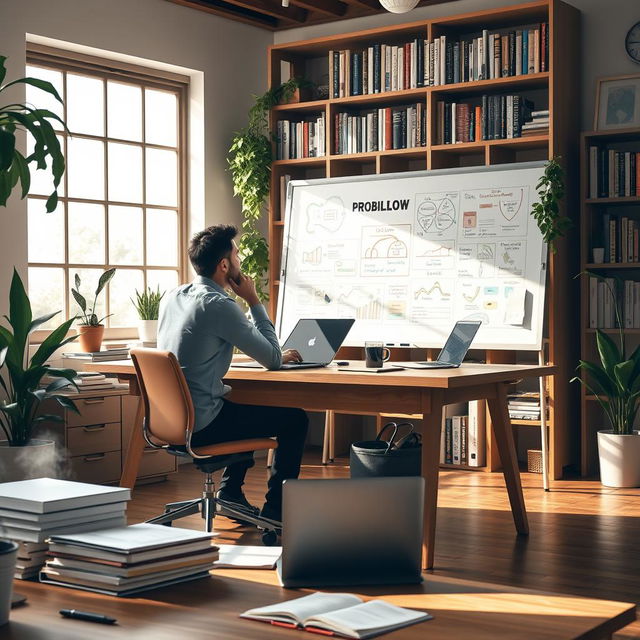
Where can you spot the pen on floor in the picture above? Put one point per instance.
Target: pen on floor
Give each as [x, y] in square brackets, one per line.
[87, 615]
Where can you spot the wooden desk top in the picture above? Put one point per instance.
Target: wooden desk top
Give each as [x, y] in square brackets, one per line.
[467, 374]
[209, 608]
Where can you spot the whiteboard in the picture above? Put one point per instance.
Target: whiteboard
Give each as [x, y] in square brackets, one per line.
[409, 254]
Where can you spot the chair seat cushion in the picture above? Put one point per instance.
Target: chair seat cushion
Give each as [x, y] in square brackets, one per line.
[236, 446]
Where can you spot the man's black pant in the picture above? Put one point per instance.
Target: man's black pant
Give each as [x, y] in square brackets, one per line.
[244, 421]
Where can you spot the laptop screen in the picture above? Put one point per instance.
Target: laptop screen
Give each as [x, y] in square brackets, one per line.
[459, 341]
[318, 340]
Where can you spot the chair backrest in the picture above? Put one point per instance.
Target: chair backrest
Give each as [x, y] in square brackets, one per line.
[169, 410]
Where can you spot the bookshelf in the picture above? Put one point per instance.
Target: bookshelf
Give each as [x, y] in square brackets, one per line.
[594, 211]
[548, 89]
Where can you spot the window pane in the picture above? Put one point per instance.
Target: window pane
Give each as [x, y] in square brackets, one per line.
[85, 104]
[125, 172]
[162, 237]
[124, 111]
[161, 117]
[41, 99]
[88, 283]
[85, 168]
[86, 233]
[42, 179]
[125, 235]
[162, 177]
[163, 279]
[121, 290]
[46, 293]
[45, 232]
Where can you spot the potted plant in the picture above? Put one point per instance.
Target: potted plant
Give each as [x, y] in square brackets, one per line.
[20, 378]
[14, 167]
[147, 305]
[615, 382]
[91, 330]
[250, 157]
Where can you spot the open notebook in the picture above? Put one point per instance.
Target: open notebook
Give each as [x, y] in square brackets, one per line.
[341, 614]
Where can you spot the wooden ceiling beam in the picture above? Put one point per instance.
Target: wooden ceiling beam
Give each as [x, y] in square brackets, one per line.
[274, 9]
[225, 10]
[366, 4]
[333, 8]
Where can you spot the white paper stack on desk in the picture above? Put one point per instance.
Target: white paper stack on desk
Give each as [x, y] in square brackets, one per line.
[127, 560]
[32, 510]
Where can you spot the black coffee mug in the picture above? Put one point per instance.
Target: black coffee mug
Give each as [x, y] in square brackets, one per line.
[376, 354]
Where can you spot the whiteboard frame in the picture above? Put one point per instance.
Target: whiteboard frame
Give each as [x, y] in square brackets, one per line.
[415, 174]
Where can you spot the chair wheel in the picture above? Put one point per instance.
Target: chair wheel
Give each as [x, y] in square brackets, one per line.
[269, 538]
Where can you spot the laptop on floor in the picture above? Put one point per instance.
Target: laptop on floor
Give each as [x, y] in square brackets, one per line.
[454, 350]
[317, 341]
[351, 531]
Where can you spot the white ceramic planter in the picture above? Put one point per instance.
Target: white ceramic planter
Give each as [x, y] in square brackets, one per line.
[148, 330]
[8, 554]
[34, 460]
[619, 459]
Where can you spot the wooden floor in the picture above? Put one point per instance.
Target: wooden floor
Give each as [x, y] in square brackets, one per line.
[584, 540]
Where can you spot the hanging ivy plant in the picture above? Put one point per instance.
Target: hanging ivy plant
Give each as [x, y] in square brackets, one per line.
[250, 157]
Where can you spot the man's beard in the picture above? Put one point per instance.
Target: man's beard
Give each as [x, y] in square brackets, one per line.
[234, 273]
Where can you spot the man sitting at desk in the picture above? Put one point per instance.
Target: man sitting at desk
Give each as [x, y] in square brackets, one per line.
[201, 324]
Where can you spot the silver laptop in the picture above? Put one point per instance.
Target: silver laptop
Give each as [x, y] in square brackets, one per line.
[351, 532]
[317, 341]
[454, 350]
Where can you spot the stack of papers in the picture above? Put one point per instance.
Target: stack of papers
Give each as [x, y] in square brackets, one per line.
[127, 560]
[33, 510]
[239, 556]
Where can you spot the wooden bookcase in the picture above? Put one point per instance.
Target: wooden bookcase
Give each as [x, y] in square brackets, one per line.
[555, 89]
[592, 211]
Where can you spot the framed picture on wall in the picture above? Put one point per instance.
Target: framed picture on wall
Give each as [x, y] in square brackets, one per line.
[617, 103]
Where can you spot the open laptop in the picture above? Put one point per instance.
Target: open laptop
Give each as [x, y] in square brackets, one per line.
[317, 341]
[372, 534]
[454, 350]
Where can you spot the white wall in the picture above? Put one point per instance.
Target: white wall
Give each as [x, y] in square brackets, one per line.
[604, 26]
[231, 55]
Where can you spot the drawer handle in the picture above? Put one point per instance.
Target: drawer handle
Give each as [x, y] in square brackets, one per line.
[95, 427]
[94, 458]
[94, 401]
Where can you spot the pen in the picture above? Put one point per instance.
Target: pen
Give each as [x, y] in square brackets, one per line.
[86, 615]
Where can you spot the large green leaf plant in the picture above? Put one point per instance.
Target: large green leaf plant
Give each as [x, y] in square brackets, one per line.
[14, 117]
[249, 159]
[20, 375]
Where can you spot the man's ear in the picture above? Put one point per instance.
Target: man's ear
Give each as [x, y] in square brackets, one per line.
[224, 265]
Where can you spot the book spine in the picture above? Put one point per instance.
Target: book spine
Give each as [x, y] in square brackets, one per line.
[448, 450]
[544, 52]
[484, 55]
[464, 440]
[455, 439]
[593, 302]
[388, 129]
[456, 63]
[536, 49]
[376, 68]
[525, 51]
[518, 54]
[504, 71]
[443, 59]
[636, 305]
[530, 52]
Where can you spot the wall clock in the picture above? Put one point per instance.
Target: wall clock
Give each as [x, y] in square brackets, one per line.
[632, 42]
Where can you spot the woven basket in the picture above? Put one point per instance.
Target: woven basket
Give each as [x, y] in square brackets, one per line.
[534, 460]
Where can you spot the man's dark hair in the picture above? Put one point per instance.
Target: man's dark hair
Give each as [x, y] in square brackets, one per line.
[210, 246]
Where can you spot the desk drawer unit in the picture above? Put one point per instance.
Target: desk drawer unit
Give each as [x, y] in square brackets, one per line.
[155, 462]
[96, 438]
[96, 410]
[97, 467]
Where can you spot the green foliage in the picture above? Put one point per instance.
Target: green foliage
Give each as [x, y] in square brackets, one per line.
[14, 167]
[20, 382]
[615, 379]
[547, 211]
[147, 303]
[250, 157]
[88, 313]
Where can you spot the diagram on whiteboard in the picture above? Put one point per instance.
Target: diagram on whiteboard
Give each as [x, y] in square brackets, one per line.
[408, 255]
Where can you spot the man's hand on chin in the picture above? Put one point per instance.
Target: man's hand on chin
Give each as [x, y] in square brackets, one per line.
[245, 288]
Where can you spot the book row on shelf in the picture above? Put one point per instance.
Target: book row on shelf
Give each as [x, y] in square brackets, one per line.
[524, 405]
[620, 239]
[613, 174]
[463, 435]
[381, 129]
[303, 139]
[498, 117]
[423, 63]
[602, 314]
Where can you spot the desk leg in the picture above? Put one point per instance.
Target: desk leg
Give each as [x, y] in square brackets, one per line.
[432, 403]
[136, 447]
[502, 429]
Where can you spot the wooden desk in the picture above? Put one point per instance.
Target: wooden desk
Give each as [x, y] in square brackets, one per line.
[209, 608]
[408, 391]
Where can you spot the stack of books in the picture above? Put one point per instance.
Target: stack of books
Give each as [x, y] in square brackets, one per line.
[127, 560]
[85, 381]
[33, 510]
[99, 356]
[613, 173]
[304, 139]
[524, 405]
[538, 125]
[462, 440]
[603, 295]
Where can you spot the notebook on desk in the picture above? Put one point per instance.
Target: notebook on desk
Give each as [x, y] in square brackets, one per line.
[317, 341]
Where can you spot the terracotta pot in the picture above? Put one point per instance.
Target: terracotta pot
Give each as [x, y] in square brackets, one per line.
[32, 460]
[8, 554]
[619, 459]
[90, 337]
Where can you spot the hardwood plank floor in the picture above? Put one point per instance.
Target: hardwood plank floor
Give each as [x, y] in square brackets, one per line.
[584, 539]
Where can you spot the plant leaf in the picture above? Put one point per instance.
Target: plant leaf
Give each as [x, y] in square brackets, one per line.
[104, 279]
[7, 147]
[67, 403]
[53, 341]
[41, 320]
[36, 82]
[80, 299]
[608, 352]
